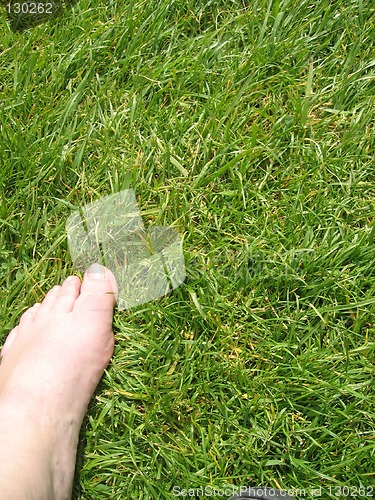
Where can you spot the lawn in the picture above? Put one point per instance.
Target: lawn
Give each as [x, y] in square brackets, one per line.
[249, 127]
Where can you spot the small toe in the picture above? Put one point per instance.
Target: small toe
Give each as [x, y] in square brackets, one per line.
[68, 294]
[26, 321]
[51, 297]
[28, 317]
[35, 307]
[8, 342]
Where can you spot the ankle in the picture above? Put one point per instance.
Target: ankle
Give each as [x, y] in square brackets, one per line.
[23, 448]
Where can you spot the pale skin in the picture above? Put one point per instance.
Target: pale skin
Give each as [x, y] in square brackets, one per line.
[50, 366]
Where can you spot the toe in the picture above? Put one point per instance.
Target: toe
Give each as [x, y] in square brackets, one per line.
[25, 323]
[28, 316]
[8, 342]
[34, 309]
[51, 297]
[68, 294]
[98, 292]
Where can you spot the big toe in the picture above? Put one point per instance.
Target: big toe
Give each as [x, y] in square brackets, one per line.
[98, 292]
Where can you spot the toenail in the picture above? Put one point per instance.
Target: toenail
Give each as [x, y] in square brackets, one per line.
[96, 272]
[69, 279]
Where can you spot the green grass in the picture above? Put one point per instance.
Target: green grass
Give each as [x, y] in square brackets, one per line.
[248, 126]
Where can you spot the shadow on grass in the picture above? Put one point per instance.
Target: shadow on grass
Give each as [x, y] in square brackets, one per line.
[80, 462]
[80, 458]
[24, 14]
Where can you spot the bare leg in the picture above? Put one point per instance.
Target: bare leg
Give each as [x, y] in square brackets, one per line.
[51, 364]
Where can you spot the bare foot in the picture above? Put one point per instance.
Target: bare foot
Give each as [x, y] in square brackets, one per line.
[51, 364]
